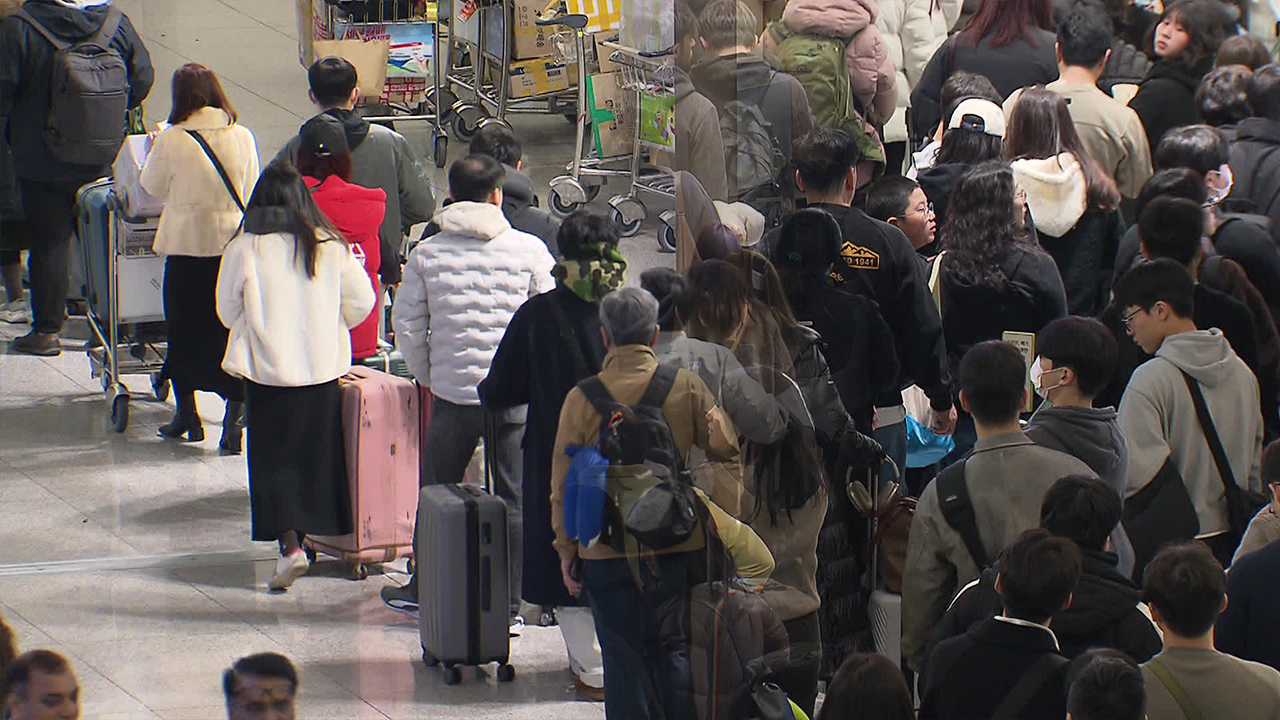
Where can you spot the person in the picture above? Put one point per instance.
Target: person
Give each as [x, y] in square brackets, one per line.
[1008, 41]
[1187, 590]
[200, 217]
[901, 202]
[1252, 167]
[49, 175]
[324, 161]
[448, 326]
[975, 134]
[1109, 130]
[527, 370]
[1223, 98]
[994, 278]
[1128, 63]
[700, 150]
[380, 158]
[1106, 685]
[1106, 607]
[959, 86]
[1247, 628]
[1157, 302]
[1006, 477]
[1244, 49]
[519, 202]
[1184, 44]
[40, 685]
[1010, 665]
[913, 30]
[1073, 202]
[868, 686]
[291, 259]
[261, 687]
[1076, 357]
[1265, 526]
[14, 231]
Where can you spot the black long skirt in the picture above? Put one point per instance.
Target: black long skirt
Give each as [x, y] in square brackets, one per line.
[297, 465]
[197, 339]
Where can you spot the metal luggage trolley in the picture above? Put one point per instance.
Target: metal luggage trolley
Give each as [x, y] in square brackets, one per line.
[382, 13]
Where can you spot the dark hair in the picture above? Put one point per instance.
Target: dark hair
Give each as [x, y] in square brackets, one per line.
[766, 285]
[1159, 280]
[961, 146]
[1106, 684]
[982, 225]
[993, 376]
[717, 242]
[1223, 95]
[1038, 573]
[262, 665]
[672, 292]
[1083, 344]
[18, 672]
[474, 178]
[1041, 127]
[1084, 35]
[718, 294]
[583, 235]
[868, 686]
[808, 245]
[963, 85]
[1243, 49]
[1008, 21]
[1176, 181]
[281, 191]
[1205, 24]
[498, 142]
[1271, 463]
[824, 157]
[332, 79]
[890, 197]
[686, 22]
[1082, 509]
[1171, 227]
[727, 23]
[322, 166]
[194, 87]
[1187, 584]
[1199, 147]
[1264, 91]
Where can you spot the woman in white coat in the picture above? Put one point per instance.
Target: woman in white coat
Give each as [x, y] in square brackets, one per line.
[202, 167]
[913, 29]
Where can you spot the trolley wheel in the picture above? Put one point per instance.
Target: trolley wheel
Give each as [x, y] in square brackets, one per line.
[160, 386]
[462, 130]
[572, 117]
[592, 191]
[562, 209]
[429, 660]
[120, 413]
[626, 229]
[440, 150]
[359, 571]
[667, 239]
[506, 672]
[452, 674]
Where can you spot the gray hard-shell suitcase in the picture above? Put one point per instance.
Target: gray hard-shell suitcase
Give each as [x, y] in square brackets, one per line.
[464, 610]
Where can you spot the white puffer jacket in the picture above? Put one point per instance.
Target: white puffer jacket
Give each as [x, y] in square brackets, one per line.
[913, 29]
[460, 289]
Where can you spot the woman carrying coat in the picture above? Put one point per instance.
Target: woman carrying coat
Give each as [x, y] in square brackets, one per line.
[290, 290]
[202, 212]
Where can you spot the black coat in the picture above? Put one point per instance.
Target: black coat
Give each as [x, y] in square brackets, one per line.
[535, 364]
[937, 183]
[1250, 628]
[1128, 65]
[1167, 99]
[1085, 256]
[1255, 165]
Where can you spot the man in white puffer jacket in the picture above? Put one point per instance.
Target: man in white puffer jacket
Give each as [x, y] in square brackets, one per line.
[461, 287]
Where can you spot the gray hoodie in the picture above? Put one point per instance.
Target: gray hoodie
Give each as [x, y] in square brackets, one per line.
[1159, 421]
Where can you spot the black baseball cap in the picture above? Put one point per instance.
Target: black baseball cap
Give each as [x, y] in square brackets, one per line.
[323, 135]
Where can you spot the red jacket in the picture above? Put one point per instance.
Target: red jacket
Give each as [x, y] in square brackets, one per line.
[357, 212]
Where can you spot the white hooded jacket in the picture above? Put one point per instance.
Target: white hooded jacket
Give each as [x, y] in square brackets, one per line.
[1057, 194]
[461, 287]
[913, 29]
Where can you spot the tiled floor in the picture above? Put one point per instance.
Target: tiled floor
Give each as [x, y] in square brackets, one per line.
[132, 555]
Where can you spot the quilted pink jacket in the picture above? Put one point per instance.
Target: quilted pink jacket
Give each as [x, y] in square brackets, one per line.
[870, 67]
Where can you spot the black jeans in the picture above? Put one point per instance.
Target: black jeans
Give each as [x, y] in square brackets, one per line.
[50, 208]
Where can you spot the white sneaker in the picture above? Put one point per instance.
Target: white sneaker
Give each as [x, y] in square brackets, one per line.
[288, 569]
[17, 312]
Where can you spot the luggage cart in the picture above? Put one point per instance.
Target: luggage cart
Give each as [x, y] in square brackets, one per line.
[379, 14]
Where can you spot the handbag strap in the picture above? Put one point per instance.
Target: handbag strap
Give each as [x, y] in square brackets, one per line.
[1211, 435]
[217, 165]
[1180, 696]
[1028, 685]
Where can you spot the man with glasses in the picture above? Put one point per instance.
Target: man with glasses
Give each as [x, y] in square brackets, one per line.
[261, 687]
[901, 202]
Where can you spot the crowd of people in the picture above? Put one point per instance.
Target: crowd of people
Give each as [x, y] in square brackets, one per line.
[975, 314]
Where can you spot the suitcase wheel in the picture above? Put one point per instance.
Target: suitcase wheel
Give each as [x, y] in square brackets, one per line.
[506, 672]
[452, 674]
[428, 660]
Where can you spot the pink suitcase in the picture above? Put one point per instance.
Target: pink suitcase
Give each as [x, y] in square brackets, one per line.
[380, 431]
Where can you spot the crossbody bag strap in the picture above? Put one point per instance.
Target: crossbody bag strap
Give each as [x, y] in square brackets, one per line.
[1180, 696]
[957, 510]
[217, 165]
[1027, 686]
[1211, 434]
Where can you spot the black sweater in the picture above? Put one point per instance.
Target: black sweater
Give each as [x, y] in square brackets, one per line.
[1167, 99]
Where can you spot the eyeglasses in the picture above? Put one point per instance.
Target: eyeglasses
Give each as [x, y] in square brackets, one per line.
[1128, 318]
[926, 211]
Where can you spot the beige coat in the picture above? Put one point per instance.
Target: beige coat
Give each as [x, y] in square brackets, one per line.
[913, 30]
[199, 217]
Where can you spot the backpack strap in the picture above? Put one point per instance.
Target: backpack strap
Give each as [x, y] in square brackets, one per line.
[103, 37]
[664, 379]
[599, 396]
[1028, 685]
[957, 510]
[1180, 696]
[54, 40]
[217, 165]
[110, 25]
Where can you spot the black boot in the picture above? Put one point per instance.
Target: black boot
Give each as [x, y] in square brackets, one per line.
[232, 429]
[186, 421]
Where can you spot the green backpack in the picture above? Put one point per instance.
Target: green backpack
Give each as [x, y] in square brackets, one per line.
[819, 64]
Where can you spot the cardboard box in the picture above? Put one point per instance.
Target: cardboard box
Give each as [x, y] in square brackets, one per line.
[613, 115]
[537, 76]
[603, 53]
[528, 41]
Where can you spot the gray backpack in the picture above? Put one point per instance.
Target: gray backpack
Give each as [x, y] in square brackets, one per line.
[89, 95]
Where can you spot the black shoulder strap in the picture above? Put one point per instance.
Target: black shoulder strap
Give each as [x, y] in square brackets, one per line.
[1027, 686]
[598, 395]
[103, 37]
[957, 510]
[217, 165]
[110, 25]
[54, 40]
[1211, 433]
[664, 379]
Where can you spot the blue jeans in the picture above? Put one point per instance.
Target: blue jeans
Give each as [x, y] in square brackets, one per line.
[893, 438]
[643, 634]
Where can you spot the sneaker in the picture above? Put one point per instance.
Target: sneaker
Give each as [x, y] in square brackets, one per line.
[403, 598]
[38, 343]
[288, 569]
[587, 692]
[17, 312]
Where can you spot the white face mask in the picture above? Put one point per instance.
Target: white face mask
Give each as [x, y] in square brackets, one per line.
[1220, 183]
[1037, 374]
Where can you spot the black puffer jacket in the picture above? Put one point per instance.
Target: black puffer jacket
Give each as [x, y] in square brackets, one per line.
[520, 205]
[1167, 98]
[1128, 65]
[1255, 164]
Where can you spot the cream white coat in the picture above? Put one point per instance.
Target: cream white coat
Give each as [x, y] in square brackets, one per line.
[913, 29]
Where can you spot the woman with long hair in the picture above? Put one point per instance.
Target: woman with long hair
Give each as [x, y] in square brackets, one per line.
[975, 134]
[185, 169]
[290, 290]
[1074, 204]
